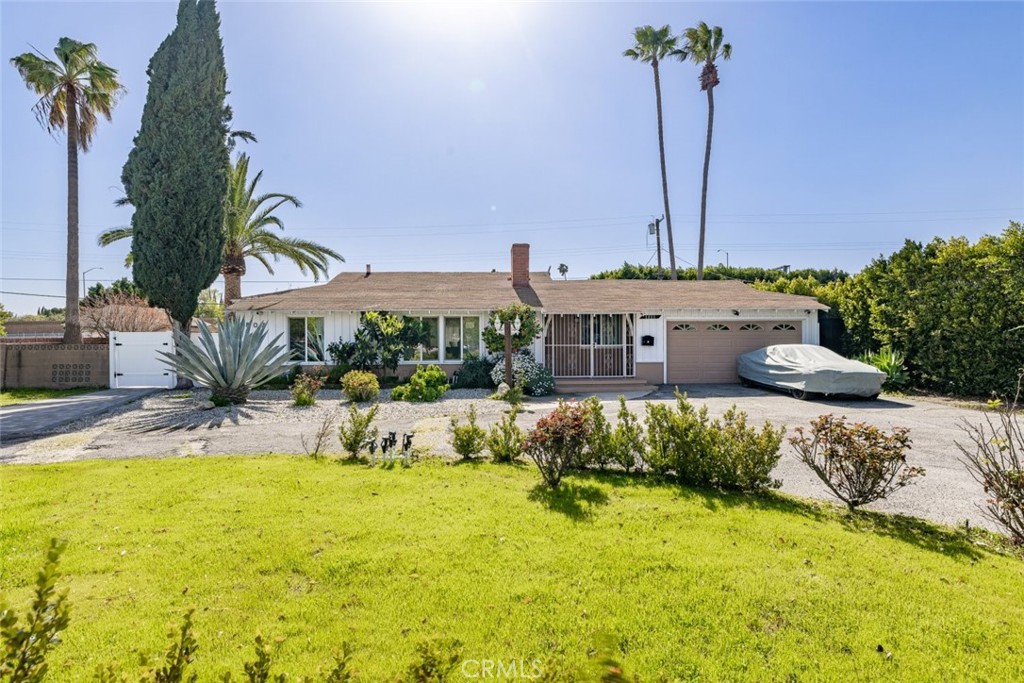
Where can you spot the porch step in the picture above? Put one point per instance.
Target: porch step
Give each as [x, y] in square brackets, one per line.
[594, 385]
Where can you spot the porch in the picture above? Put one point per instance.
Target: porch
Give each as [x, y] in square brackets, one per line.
[590, 346]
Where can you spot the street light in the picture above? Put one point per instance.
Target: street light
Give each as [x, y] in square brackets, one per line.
[720, 251]
[84, 290]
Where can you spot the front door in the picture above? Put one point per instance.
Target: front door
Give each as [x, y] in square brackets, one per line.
[589, 345]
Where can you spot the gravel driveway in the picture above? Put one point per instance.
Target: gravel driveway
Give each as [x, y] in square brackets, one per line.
[171, 424]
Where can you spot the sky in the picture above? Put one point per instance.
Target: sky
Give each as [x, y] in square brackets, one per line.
[431, 136]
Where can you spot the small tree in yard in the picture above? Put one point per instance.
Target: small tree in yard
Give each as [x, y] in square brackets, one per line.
[994, 455]
[469, 439]
[558, 440]
[505, 441]
[859, 463]
[356, 433]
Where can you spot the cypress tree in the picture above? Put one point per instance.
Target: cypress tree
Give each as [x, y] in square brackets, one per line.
[176, 176]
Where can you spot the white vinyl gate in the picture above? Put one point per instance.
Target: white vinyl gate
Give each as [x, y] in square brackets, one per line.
[134, 362]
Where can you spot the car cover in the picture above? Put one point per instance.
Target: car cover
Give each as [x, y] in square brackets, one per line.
[810, 368]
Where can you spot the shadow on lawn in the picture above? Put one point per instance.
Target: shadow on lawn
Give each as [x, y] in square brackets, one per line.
[575, 501]
[921, 533]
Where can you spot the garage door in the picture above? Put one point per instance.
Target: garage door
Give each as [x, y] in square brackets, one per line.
[705, 352]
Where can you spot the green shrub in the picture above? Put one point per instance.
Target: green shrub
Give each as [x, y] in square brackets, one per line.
[305, 388]
[357, 432]
[505, 440]
[469, 439]
[435, 661]
[26, 646]
[599, 451]
[627, 441]
[892, 363]
[527, 373]
[529, 328]
[426, 384]
[859, 463]
[686, 444]
[994, 455]
[558, 440]
[475, 373]
[360, 386]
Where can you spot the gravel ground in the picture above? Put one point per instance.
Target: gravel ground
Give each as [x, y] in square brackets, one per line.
[174, 424]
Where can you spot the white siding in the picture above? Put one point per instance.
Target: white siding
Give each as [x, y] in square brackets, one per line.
[656, 328]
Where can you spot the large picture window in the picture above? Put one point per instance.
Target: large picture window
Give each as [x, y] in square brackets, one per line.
[450, 339]
[306, 339]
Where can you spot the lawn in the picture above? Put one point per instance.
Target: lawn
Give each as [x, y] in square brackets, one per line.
[692, 584]
[11, 397]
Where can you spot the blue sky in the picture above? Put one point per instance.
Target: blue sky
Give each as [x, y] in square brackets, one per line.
[430, 136]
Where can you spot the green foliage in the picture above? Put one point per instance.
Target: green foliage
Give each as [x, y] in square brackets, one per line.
[558, 441]
[211, 305]
[435, 661]
[994, 455]
[859, 463]
[386, 331]
[600, 449]
[360, 386]
[356, 434]
[529, 328]
[427, 384]
[627, 442]
[684, 443]
[527, 374]
[44, 313]
[954, 308]
[892, 363]
[305, 388]
[341, 353]
[26, 646]
[232, 364]
[176, 176]
[475, 373]
[180, 654]
[630, 271]
[5, 315]
[505, 440]
[468, 440]
[258, 671]
[123, 285]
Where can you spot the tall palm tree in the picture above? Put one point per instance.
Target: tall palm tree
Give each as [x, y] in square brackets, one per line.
[72, 90]
[247, 233]
[652, 46]
[703, 45]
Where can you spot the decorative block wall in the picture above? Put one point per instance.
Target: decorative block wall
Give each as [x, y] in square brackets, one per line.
[54, 366]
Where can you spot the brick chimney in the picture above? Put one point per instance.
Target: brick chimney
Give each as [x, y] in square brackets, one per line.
[520, 265]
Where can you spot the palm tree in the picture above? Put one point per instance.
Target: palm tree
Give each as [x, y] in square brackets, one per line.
[247, 233]
[652, 46]
[703, 45]
[563, 270]
[72, 91]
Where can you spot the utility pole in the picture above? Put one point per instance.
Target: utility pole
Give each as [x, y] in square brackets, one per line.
[655, 228]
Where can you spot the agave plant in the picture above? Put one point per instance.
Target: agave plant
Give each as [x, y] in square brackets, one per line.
[892, 363]
[233, 363]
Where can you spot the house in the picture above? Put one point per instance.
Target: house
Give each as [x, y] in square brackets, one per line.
[617, 332]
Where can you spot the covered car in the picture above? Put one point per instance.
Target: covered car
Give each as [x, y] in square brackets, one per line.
[807, 371]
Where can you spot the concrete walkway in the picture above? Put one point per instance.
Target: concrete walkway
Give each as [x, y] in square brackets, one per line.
[35, 418]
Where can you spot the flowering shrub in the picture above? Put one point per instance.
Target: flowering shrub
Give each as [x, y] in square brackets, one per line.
[859, 463]
[534, 378]
[558, 440]
[426, 384]
[360, 385]
[305, 388]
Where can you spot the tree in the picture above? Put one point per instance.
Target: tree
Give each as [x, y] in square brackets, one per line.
[72, 91]
[176, 176]
[247, 233]
[703, 45]
[652, 46]
[121, 286]
[5, 315]
[563, 270]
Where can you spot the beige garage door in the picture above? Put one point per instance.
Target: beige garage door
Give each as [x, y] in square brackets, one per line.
[705, 352]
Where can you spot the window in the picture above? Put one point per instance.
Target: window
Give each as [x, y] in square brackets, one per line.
[607, 329]
[750, 327]
[684, 327]
[718, 327]
[449, 338]
[784, 327]
[306, 339]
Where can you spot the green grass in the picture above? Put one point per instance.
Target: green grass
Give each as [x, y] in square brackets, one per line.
[10, 397]
[697, 585]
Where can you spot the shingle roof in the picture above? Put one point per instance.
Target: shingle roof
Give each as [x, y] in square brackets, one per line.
[488, 291]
